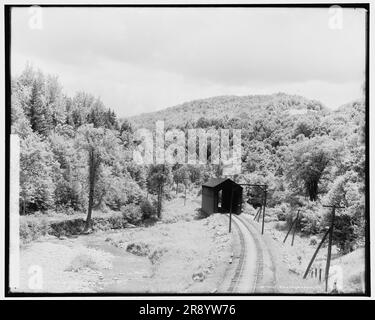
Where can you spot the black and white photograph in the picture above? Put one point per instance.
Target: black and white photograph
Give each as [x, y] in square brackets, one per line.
[187, 150]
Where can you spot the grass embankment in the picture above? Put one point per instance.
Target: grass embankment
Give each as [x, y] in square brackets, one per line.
[185, 256]
[180, 253]
[32, 227]
[61, 225]
[291, 261]
[49, 266]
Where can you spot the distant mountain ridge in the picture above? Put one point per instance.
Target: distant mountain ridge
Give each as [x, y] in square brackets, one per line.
[219, 107]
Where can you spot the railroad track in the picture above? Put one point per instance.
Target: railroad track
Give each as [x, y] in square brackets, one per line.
[259, 254]
[240, 266]
[241, 270]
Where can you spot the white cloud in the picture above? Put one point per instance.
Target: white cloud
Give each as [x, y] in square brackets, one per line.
[139, 59]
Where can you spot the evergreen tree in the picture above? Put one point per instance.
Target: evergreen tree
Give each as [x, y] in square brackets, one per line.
[40, 115]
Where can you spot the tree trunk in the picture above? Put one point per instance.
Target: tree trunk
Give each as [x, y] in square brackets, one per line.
[312, 189]
[160, 199]
[185, 195]
[92, 170]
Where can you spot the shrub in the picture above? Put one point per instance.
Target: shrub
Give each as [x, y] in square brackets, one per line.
[69, 196]
[90, 259]
[139, 248]
[70, 211]
[313, 241]
[64, 210]
[67, 227]
[116, 221]
[33, 229]
[148, 209]
[168, 196]
[310, 223]
[180, 188]
[122, 192]
[156, 255]
[349, 222]
[272, 214]
[200, 214]
[282, 211]
[311, 219]
[24, 230]
[132, 213]
[281, 216]
[344, 235]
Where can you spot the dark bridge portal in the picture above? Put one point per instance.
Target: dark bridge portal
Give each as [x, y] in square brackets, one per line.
[217, 194]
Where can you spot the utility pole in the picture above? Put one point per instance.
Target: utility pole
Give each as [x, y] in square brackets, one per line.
[294, 224]
[295, 228]
[264, 202]
[315, 253]
[330, 232]
[264, 207]
[330, 242]
[258, 213]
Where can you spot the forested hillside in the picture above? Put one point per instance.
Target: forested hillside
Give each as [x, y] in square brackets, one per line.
[74, 151]
[307, 154]
[226, 107]
[76, 155]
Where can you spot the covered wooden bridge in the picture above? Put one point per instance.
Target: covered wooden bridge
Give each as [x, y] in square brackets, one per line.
[220, 194]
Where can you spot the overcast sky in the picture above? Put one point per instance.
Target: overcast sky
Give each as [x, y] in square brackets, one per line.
[145, 59]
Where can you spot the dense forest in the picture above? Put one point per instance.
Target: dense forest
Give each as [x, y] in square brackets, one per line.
[225, 108]
[76, 155]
